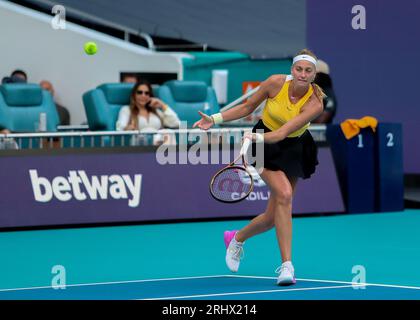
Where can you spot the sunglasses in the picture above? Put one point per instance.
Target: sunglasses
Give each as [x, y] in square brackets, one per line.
[147, 93]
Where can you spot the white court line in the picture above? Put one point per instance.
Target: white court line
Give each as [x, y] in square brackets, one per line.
[205, 277]
[115, 282]
[367, 284]
[333, 281]
[248, 292]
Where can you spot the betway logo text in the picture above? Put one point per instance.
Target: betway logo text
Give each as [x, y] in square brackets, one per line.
[78, 185]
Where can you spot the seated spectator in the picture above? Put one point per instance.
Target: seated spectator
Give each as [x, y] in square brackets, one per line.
[17, 76]
[324, 80]
[130, 78]
[63, 113]
[5, 131]
[20, 74]
[145, 111]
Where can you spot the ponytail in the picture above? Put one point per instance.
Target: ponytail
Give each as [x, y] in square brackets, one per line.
[319, 92]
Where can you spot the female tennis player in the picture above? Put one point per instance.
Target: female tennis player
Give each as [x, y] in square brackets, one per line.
[290, 153]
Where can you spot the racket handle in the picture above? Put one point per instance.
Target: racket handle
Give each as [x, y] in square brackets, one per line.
[245, 146]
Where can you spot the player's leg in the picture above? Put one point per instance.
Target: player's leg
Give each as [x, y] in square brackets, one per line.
[264, 221]
[281, 195]
[234, 240]
[282, 190]
[261, 223]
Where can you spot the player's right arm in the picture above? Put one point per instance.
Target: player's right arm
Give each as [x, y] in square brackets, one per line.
[267, 89]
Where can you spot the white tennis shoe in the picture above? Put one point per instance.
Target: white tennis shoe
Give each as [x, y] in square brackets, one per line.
[234, 250]
[286, 274]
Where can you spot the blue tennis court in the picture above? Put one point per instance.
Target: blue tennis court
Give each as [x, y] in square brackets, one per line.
[117, 117]
[186, 261]
[216, 287]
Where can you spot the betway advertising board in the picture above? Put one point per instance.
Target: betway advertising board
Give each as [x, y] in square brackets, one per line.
[111, 187]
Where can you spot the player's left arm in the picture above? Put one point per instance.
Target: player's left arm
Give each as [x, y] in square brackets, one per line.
[312, 109]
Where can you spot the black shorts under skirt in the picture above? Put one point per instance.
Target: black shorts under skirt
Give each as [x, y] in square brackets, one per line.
[296, 157]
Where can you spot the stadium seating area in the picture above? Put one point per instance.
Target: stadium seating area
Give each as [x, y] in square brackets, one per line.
[21, 104]
[20, 107]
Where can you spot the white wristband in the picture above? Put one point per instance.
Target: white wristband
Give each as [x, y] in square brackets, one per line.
[217, 118]
[259, 137]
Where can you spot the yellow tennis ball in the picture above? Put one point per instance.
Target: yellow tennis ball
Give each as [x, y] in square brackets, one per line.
[91, 48]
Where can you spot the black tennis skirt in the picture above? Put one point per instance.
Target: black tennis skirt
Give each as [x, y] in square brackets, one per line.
[296, 157]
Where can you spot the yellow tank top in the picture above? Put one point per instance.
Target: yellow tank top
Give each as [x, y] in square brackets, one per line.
[280, 109]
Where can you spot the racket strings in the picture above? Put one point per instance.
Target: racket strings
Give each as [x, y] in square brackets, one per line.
[231, 184]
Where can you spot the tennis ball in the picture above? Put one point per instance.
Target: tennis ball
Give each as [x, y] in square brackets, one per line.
[91, 48]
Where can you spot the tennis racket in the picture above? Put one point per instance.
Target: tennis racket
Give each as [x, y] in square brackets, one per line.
[234, 182]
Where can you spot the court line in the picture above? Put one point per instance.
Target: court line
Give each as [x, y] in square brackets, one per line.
[114, 282]
[333, 281]
[204, 277]
[248, 292]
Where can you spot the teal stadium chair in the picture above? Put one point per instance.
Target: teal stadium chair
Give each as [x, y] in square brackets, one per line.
[189, 97]
[21, 105]
[103, 104]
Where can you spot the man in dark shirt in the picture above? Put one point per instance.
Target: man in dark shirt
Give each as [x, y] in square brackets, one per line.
[17, 76]
[130, 78]
[324, 80]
